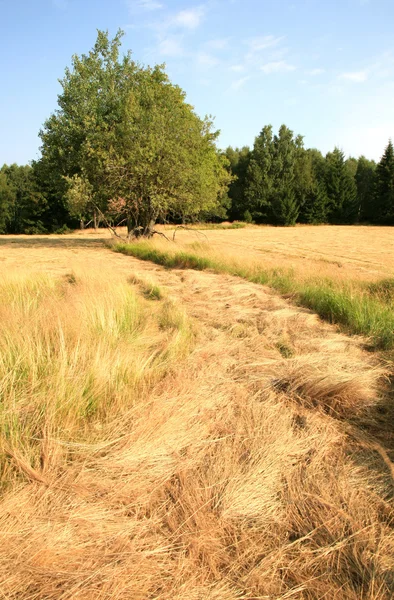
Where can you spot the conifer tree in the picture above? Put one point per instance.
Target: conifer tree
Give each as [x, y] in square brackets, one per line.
[272, 191]
[365, 181]
[384, 187]
[258, 179]
[314, 209]
[341, 189]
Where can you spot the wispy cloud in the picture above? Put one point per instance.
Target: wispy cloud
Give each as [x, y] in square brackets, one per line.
[279, 66]
[189, 18]
[354, 76]
[239, 83]
[171, 47]
[258, 44]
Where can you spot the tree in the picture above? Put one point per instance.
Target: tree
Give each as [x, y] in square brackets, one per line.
[273, 190]
[239, 159]
[365, 181]
[79, 198]
[384, 187]
[53, 188]
[26, 204]
[7, 199]
[314, 208]
[286, 187]
[258, 183]
[341, 189]
[129, 134]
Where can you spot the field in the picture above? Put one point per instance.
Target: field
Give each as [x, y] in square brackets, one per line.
[190, 433]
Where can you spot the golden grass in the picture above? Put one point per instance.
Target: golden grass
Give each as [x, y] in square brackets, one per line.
[205, 441]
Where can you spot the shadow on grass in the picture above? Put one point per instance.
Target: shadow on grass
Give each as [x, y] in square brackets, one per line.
[51, 242]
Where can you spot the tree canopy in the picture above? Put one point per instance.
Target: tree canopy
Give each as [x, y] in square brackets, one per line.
[127, 134]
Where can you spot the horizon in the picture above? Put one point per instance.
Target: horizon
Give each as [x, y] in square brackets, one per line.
[326, 72]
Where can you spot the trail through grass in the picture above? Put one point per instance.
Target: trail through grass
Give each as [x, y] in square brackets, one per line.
[366, 309]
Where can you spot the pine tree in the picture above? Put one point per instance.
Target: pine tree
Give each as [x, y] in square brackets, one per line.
[272, 191]
[384, 188]
[258, 178]
[284, 203]
[365, 181]
[341, 189]
[314, 207]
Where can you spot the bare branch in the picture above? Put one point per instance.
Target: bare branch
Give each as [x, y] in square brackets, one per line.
[188, 229]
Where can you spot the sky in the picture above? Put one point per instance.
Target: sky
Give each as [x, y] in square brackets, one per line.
[325, 68]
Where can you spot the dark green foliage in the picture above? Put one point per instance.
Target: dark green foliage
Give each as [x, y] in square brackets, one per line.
[258, 178]
[315, 206]
[239, 160]
[384, 188]
[365, 181]
[7, 199]
[341, 189]
[273, 191]
[25, 202]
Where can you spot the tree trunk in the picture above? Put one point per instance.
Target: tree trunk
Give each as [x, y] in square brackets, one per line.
[95, 219]
[82, 224]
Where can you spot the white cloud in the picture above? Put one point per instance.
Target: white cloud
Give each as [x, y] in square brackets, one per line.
[189, 18]
[315, 72]
[277, 67]
[239, 83]
[171, 47]
[262, 43]
[355, 76]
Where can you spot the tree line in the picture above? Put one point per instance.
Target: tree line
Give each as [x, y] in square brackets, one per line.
[125, 147]
[280, 182]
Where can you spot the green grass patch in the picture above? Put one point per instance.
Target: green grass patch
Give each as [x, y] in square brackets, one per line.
[359, 309]
[208, 226]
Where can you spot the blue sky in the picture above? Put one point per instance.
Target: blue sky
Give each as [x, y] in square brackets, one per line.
[325, 68]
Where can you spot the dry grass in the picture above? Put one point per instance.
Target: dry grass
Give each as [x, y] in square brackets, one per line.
[207, 441]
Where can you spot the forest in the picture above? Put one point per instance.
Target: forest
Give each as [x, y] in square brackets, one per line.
[125, 147]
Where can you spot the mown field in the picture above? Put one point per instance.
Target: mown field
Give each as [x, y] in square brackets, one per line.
[191, 429]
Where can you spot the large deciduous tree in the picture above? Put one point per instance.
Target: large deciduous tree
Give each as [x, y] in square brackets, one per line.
[129, 135]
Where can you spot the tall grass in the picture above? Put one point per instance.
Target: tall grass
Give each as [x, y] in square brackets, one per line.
[73, 354]
[359, 308]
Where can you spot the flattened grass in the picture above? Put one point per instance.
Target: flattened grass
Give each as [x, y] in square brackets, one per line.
[357, 307]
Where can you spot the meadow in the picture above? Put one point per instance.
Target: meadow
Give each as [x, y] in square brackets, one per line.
[193, 429]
